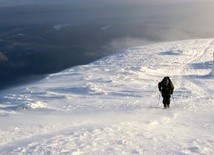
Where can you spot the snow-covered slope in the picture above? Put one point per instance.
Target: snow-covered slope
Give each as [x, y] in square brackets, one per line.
[112, 106]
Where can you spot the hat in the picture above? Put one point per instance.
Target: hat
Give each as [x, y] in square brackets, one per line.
[165, 81]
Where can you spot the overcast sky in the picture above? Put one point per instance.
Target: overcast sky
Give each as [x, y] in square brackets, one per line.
[101, 26]
[180, 16]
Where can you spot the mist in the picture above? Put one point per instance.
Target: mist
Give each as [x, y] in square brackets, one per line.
[38, 37]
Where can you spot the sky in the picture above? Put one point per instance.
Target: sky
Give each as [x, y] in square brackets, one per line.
[98, 28]
[158, 20]
[180, 14]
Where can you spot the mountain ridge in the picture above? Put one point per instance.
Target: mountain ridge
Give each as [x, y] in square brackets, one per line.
[112, 105]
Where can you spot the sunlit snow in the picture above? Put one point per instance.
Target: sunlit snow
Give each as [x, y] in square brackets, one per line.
[112, 106]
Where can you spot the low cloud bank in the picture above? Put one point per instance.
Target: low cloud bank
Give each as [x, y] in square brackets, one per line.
[31, 44]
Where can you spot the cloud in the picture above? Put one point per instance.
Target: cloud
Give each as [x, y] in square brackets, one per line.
[99, 28]
[3, 57]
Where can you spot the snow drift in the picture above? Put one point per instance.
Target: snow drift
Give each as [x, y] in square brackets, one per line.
[112, 106]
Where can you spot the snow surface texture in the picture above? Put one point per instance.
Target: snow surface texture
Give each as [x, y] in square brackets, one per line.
[112, 106]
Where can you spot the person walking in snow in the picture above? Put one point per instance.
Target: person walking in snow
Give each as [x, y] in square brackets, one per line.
[166, 88]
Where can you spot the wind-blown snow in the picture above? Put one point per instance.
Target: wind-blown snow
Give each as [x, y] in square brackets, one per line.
[112, 106]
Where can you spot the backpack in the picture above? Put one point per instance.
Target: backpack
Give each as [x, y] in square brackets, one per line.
[166, 86]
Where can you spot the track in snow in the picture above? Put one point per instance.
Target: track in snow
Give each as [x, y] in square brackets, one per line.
[111, 106]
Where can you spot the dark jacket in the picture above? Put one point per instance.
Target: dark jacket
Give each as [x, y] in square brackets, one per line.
[166, 86]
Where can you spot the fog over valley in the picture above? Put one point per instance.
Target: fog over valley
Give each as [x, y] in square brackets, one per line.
[47, 36]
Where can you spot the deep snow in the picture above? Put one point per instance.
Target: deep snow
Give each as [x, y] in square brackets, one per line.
[112, 106]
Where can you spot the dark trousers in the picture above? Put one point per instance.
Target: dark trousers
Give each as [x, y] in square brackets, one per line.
[166, 100]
